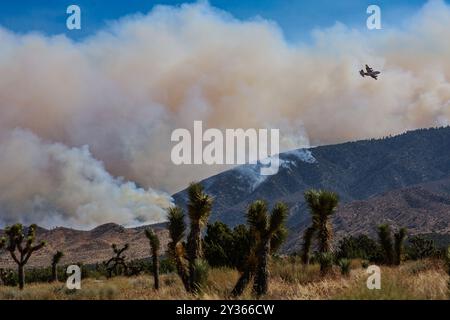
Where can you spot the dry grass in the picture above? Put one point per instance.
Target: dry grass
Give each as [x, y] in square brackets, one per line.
[289, 280]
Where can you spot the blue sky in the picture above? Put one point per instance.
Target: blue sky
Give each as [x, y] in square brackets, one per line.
[296, 17]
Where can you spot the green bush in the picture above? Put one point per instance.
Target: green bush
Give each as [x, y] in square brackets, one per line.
[225, 247]
[359, 247]
[325, 260]
[200, 276]
[419, 247]
[166, 266]
[137, 267]
[344, 265]
[8, 277]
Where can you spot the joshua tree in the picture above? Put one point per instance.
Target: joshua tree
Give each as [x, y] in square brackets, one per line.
[189, 256]
[177, 247]
[387, 245]
[268, 233]
[155, 246]
[117, 261]
[399, 239]
[55, 260]
[322, 204]
[16, 240]
[199, 209]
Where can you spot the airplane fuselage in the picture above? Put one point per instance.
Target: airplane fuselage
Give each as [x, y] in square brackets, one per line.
[370, 73]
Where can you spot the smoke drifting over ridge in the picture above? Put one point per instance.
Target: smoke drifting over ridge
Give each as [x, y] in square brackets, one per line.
[53, 185]
[124, 90]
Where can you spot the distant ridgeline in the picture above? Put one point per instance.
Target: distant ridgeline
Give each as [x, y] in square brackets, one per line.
[403, 180]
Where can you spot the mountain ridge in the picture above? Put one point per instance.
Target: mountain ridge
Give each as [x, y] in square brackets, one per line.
[357, 170]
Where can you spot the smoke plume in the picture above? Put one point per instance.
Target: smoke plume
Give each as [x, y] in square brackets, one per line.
[122, 91]
[52, 184]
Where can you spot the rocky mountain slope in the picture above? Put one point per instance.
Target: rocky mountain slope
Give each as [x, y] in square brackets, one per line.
[376, 180]
[90, 246]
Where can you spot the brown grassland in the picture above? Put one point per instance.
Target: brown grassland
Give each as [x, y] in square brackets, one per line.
[289, 280]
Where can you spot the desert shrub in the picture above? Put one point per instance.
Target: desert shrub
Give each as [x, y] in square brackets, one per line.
[137, 267]
[295, 272]
[225, 247]
[242, 244]
[344, 265]
[418, 267]
[359, 247]
[365, 264]
[218, 244]
[167, 266]
[326, 261]
[8, 277]
[200, 275]
[169, 281]
[38, 275]
[419, 247]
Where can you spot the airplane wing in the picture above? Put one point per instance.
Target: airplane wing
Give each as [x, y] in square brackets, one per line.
[374, 76]
[369, 69]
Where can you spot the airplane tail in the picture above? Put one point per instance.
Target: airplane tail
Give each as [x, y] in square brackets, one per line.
[361, 72]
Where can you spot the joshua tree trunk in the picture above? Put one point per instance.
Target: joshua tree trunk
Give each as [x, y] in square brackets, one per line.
[177, 252]
[242, 283]
[194, 251]
[156, 271]
[324, 237]
[54, 273]
[182, 273]
[399, 238]
[21, 275]
[261, 284]
[307, 240]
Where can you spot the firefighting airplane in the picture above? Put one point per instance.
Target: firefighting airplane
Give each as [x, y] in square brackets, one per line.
[369, 72]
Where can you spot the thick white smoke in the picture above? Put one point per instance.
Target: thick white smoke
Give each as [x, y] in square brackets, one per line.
[51, 184]
[124, 90]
